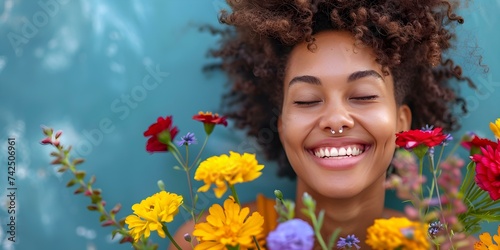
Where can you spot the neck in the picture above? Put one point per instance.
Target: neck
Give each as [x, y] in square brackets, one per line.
[353, 215]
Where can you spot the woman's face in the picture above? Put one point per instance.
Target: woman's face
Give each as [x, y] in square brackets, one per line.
[339, 86]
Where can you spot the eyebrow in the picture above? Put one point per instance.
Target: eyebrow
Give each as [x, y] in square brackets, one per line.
[352, 77]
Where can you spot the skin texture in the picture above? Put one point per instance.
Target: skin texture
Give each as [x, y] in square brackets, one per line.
[340, 85]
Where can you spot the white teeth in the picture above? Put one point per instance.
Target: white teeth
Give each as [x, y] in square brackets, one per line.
[342, 151]
[334, 152]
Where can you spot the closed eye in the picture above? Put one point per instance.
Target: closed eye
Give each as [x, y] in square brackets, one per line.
[305, 103]
[365, 98]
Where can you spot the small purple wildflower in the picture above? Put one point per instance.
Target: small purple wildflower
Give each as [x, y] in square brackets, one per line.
[348, 243]
[427, 128]
[447, 139]
[294, 234]
[187, 140]
[435, 227]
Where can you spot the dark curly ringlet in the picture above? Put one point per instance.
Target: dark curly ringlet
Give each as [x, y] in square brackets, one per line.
[408, 38]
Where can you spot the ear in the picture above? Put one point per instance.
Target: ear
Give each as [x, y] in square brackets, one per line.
[404, 118]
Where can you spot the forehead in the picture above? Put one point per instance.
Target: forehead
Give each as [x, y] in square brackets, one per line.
[335, 53]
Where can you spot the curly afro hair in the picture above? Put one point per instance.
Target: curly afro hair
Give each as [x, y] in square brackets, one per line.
[408, 38]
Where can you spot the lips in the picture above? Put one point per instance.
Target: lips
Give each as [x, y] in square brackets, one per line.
[342, 151]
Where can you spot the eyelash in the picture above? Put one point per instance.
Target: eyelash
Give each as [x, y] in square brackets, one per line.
[305, 103]
[360, 98]
[365, 98]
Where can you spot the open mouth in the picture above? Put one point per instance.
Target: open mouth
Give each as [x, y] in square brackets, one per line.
[344, 151]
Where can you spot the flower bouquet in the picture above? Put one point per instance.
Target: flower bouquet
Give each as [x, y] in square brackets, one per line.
[442, 213]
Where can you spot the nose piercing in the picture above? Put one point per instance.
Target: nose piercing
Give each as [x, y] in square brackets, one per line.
[340, 130]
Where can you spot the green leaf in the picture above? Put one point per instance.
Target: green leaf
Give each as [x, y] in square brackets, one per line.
[92, 180]
[122, 222]
[62, 169]
[79, 190]
[229, 247]
[71, 183]
[102, 218]
[92, 208]
[113, 234]
[333, 238]
[95, 199]
[78, 161]
[80, 175]
[321, 217]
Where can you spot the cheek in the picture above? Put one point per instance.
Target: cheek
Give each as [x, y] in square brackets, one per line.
[294, 130]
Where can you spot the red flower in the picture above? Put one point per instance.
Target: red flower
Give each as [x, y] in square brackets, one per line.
[413, 138]
[488, 170]
[161, 134]
[210, 120]
[477, 142]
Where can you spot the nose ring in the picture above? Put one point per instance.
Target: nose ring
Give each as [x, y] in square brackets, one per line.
[340, 130]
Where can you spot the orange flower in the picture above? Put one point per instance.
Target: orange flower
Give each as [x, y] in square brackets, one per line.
[486, 242]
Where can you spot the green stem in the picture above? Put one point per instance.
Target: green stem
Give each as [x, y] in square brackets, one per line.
[256, 242]
[190, 185]
[317, 231]
[420, 174]
[434, 170]
[473, 194]
[176, 153]
[452, 151]
[170, 237]
[235, 195]
[201, 150]
[469, 178]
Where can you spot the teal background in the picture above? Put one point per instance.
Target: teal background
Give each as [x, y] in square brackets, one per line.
[80, 66]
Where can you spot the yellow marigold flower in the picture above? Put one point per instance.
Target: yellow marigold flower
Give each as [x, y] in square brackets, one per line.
[397, 232]
[486, 243]
[228, 227]
[150, 214]
[495, 127]
[222, 170]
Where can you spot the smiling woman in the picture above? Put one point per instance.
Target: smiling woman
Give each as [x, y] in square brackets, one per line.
[345, 77]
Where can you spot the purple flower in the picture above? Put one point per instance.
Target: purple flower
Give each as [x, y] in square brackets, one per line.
[348, 242]
[435, 227]
[188, 139]
[294, 234]
[427, 128]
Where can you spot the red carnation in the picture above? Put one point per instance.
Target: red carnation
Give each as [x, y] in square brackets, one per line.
[413, 138]
[477, 142]
[162, 133]
[210, 120]
[488, 170]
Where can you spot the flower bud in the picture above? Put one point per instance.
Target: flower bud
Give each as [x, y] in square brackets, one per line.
[278, 194]
[187, 237]
[308, 201]
[161, 185]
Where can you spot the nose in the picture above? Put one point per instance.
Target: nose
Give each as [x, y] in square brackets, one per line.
[336, 118]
